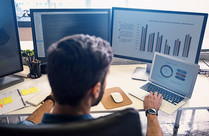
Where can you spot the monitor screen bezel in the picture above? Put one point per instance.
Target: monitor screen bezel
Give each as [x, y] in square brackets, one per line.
[17, 42]
[32, 11]
[205, 15]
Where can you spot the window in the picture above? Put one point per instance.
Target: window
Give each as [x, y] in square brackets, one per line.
[108, 3]
[23, 6]
[67, 3]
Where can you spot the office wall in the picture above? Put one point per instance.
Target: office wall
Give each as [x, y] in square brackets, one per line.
[25, 33]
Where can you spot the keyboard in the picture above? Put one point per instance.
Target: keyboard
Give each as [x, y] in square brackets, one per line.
[167, 96]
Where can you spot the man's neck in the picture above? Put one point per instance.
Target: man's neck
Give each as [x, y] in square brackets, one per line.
[82, 108]
[70, 110]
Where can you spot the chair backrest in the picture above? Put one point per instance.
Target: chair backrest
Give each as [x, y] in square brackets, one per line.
[122, 123]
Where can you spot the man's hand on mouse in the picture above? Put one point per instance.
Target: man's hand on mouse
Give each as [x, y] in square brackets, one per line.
[153, 101]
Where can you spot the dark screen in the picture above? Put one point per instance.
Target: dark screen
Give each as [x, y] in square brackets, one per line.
[56, 27]
[10, 56]
[49, 26]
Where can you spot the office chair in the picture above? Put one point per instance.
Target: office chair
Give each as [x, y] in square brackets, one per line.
[122, 123]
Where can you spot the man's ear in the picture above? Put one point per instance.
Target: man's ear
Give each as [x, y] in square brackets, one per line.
[95, 90]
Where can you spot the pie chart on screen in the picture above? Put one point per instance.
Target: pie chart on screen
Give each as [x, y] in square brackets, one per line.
[166, 71]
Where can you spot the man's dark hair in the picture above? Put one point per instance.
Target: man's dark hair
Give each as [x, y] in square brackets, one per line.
[75, 64]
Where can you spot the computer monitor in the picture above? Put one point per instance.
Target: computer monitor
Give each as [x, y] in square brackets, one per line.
[10, 53]
[50, 25]
[138, 33]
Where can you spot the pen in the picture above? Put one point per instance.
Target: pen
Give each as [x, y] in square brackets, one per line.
[21, 97]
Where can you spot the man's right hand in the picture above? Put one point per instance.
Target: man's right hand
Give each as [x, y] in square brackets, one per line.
[153, 101]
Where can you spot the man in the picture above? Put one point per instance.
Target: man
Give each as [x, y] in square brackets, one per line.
[78, 67]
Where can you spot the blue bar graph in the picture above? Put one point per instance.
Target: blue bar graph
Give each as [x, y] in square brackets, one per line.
[143, 38]
[151, 42]
[187, 43]
[167, 48]
[177, 44]
[159, 42]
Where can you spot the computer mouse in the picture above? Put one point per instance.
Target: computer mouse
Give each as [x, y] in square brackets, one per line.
[117, 97]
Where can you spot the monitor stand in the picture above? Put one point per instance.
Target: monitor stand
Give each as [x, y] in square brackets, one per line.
[10, 80]
[142, 73]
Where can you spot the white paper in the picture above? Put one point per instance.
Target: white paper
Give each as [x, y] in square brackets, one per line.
[16, 104]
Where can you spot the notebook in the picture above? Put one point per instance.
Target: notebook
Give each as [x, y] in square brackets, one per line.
[173, 77]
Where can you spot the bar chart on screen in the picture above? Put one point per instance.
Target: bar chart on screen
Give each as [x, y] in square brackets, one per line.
[158, 43]
[141, 34]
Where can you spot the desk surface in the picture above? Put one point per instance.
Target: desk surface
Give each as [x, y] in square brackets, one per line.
[120, 76]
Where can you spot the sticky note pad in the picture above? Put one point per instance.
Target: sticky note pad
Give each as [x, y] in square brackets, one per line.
[7, 100]
[1, 104]
[29, 91]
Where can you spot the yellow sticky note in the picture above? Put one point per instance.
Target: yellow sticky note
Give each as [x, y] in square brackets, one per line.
[1, 104]
[7, 100]
[29, 91]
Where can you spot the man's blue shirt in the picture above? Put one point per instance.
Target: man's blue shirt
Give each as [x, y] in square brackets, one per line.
[56, 119]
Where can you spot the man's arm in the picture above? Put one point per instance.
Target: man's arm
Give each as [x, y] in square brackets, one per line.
[153, 101]
[38, 114]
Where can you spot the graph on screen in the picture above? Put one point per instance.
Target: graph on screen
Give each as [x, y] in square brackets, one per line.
[151, 41]
[138, 34]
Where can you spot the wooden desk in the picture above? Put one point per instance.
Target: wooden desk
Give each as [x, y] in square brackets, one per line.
[120, 76]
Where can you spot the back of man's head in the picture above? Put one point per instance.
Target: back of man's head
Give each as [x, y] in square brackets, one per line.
[75, 64]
